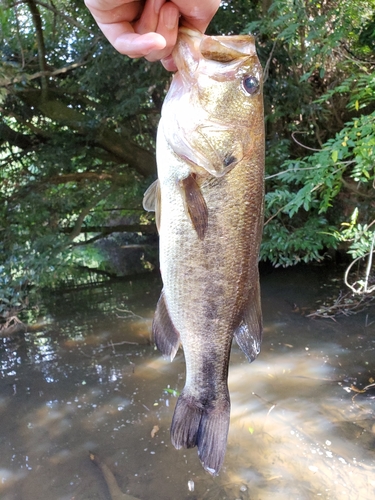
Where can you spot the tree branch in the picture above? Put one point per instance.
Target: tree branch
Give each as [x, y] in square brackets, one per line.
[70, 19]
[40, 74]
[79, 177]
[300, 143]
[20, 42]
[351, 186]
[40, 41]
[120, 228]
[84, 213]
[17, 139]
[125, 150]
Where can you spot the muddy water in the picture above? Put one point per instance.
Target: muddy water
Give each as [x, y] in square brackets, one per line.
[92, 381]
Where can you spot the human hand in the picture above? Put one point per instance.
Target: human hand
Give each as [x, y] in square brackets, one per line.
[149, 28]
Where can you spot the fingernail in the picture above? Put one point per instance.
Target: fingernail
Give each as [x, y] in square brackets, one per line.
[170, 17]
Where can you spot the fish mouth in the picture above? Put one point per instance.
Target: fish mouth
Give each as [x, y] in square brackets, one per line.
[227, 48]
[194, 45]
[217, 56]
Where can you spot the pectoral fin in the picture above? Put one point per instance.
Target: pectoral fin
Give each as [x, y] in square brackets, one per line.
[152, 201]
[195, 205]
[167, 338]
[249, 334]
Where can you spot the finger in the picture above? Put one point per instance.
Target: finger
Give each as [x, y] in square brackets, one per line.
[107, 12]
[149, 18]
[197, 14]
[169, 63]
[117, 21]
[107, 4]
[135, 45]
[114, 31]
[167, 28]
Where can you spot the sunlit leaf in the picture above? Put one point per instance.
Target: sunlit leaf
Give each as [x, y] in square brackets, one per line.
[335, 155]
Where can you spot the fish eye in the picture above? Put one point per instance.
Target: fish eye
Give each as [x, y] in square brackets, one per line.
[250, 84]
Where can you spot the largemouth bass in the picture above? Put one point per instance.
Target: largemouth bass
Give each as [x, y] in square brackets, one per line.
[209, 211]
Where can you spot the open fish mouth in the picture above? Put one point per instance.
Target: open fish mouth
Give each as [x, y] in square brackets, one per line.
[224, 49]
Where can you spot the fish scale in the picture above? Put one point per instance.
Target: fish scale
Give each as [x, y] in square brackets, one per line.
[209, 204]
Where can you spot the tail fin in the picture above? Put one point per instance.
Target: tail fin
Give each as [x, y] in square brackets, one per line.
[205, 425]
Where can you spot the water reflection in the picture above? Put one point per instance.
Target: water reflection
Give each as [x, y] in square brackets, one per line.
[93, 381]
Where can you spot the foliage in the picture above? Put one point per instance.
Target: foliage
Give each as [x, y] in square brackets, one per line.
[319, 102]
[77, 134]
[78, 124]
[311, 186]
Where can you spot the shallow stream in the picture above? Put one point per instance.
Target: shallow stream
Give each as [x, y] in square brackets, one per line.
[92, 381]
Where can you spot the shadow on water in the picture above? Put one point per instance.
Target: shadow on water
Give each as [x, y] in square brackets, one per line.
[93, 381]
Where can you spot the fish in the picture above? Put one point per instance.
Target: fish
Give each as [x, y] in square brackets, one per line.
[208, 202]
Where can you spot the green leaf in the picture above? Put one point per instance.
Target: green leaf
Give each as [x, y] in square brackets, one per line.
[173, 392]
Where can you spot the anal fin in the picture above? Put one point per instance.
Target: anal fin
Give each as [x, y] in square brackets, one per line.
[167, 338]
[249, 333]
[195, 205]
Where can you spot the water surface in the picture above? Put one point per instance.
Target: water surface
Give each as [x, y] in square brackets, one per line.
[93, 381]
